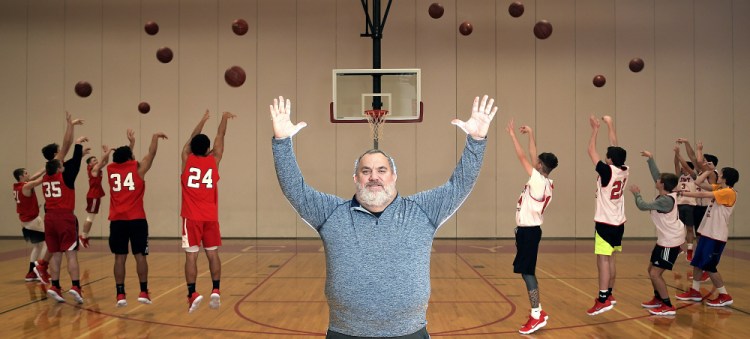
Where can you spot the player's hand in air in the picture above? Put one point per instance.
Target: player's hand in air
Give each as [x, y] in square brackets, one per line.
[481, 117]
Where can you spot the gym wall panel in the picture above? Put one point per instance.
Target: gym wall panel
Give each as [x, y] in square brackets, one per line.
[13, 19]
[741, 107]
[636, 123]
[557, 87]
[436, 41]
[476, 71]
[277, 75]
[238, 198]
[316, 56]
[516, 75]
[160, 87]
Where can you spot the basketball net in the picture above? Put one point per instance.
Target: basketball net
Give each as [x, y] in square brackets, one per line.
[376, 120]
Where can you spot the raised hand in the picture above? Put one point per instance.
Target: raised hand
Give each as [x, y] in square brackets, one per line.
[525, 129]
[281, 111]
[105, 149]
[682, 140]
[676, 149]
[647, 154]
[82, 140]
[161, 135]
[481, 117]
[511, 128]
[131, 135]
[699, 145]
[634, 189]
[86, 150]
[228, 115]
[594, 122]
[607, 119]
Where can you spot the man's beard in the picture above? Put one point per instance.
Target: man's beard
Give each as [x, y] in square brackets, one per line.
[375, 198]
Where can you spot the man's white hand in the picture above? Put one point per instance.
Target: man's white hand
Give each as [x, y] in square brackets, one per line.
[481, 116]
[283, 127]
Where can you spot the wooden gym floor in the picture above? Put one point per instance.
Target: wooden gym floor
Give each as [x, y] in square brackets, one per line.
[274, 289]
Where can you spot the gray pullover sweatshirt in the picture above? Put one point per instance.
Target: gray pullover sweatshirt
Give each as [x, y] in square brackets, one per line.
[377, 268]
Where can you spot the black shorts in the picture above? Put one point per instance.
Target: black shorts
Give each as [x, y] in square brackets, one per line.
[698, 213]
[527, 248]
[687, 214]
[123, 231]
[32, 236]
[664, 257]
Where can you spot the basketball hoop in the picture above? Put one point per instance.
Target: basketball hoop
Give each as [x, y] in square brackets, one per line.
[376, 120]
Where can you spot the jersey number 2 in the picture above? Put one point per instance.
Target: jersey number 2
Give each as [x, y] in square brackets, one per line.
[616, 190]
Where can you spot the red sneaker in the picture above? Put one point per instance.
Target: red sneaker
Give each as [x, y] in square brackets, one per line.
[215, 299]
[532, 325]
[663, 310]
[689, 256]
[612, 300]
[55, 293]
[653, 303]
[31, 276]
[194, 301]
[121, 301]
[721, 300]
[690, 295]
[704, 277]
[599, 307]
[84, 241]
[144, 298]
[41, 272]
[77, 294]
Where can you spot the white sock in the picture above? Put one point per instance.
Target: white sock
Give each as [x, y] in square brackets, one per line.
[690, 247]
[536, 312]
[722, 290]
[696, 285]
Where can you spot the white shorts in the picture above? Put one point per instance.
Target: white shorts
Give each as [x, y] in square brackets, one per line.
[35, 225]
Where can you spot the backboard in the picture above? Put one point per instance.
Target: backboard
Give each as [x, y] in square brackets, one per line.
[400, 94]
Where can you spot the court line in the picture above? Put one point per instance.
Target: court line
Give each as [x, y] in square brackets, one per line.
[637, 321]
[147, 305]
[44, 297]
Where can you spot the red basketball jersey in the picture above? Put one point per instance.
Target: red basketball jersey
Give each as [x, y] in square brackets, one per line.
[199, 189]
[58, 196]
[126, 189]
[26, 207]
[95, 184]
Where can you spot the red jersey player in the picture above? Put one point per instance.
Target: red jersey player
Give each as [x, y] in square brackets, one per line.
[200, 212]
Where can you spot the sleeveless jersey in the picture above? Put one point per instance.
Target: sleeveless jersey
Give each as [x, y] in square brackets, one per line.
[26, 207]
[199, 188]
[95, 184]
[715, 223]
[704, 201]
[57, 195]
[126, 189]
[610, 205]
[686, 184]
[529, 209]
[670, 231]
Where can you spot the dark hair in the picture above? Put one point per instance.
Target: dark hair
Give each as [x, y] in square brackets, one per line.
[690, 164]
[373, 151]
[712, 159]
[730, 175]
[50, 150]
[18, 172]
[122, 154]
[52, 166]
[549, 162]
[617, 155]
[88, 160]
[669, 181]
[199, 144]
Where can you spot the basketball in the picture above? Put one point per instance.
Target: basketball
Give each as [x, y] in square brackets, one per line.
[465, 28]
[83, 89]
[239, 26]
[151, 28]
[164, 54]
[144, 107]
[543, 29]
[599, 80]
[234, 76]
[515, 9]
[636, 65]
[436, 10]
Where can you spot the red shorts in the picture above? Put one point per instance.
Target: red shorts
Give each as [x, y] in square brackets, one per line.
[194, 232]
[92, 205]
[60, 231]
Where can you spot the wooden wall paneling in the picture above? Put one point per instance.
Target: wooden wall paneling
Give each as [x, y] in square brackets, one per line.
[741, 106]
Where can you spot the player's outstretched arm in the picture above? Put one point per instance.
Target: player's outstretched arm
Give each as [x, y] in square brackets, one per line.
[594, 122]
[481, 116]
[197, 130]
[611, 132]
[68, 137]
[510, 128]
[147, 160]
[690, 152]
[106, 151]
[218, 150]
[131, 139]
[281, 112]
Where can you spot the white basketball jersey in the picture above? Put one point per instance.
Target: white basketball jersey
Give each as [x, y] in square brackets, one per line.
[610, 204]
[704, 201]
[534, 198]
[670, 231]
[715, 223]
[686, 184]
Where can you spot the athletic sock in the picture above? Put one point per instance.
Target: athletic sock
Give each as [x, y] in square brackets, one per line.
[56, 283]
[76, 283]
[216, 284]
[696, 284]
[191, 289]
[603, 295]
[722, 290]
[144, 286]
[536, 312]
[690, 247]
[120, 288]
[656, 294]
[666, 301]
[31, 266]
